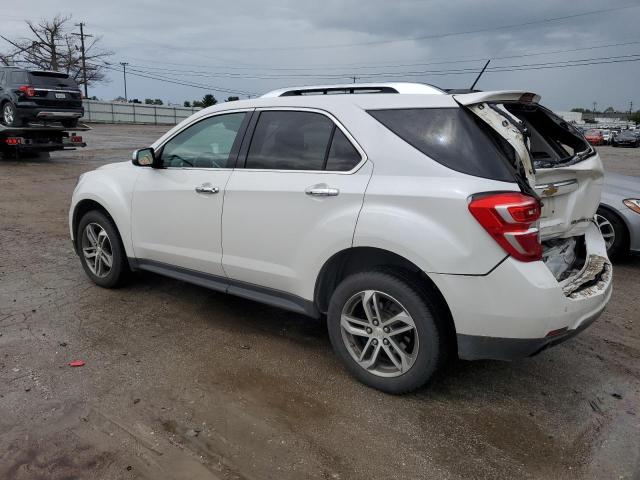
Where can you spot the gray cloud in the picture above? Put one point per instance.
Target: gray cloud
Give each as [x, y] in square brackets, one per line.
[222, 38]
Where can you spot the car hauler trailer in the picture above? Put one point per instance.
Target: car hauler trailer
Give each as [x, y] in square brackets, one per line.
[36, 138]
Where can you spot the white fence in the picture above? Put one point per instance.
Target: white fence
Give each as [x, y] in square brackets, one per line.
[116, 112]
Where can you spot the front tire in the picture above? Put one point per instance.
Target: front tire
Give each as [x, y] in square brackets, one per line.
[385, 331]
[100, 249]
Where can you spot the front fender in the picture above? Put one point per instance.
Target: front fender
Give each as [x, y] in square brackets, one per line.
[112, 189]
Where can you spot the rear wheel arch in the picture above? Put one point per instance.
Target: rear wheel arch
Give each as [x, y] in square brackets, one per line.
[362, 259]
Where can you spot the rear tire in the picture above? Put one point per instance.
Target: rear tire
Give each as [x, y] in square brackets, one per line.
[9, 115]
[101, 251]
[363, 336]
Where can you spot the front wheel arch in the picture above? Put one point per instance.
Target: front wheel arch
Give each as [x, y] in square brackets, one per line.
[80, 210]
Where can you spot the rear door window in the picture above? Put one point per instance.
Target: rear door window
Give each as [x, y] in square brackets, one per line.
[299, 140]
[289, 140]
[452, 137]
[343, 156]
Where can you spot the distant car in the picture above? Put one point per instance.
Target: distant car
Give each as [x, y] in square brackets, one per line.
[618, 216]
[607, 135]
[626, 138]
[28, 95]
[594, 137]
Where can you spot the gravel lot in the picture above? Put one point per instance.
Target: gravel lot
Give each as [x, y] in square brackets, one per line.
[181, 382]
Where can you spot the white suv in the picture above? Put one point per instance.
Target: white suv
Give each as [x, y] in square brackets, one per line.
[421, 222]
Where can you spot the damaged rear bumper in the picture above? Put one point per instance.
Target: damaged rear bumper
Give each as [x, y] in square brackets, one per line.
[520, 309]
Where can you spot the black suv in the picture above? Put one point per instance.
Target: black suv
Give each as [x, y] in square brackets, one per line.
[28, 95]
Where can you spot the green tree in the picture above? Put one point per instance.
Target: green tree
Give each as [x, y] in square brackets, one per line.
[196, 104]
[187, 103]
[148, 101]
[609, 110]
[579, 110]
[208, 100]
[157, 101]
[232, 99]
[635, 117]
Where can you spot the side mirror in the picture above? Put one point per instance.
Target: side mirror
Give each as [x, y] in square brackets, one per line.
[145, 157]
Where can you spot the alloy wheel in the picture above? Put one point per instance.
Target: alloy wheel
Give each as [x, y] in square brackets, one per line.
[379, 333]
[7, 114]
[607, 230]
[97, 250]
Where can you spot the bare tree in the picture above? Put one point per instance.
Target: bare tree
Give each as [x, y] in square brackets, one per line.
[52, 46]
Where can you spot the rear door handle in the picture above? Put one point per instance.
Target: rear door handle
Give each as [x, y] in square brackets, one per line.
[206, 188]
[322, 191]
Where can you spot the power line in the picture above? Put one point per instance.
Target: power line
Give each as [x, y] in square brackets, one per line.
[441, 35]
[186, 84]
[373, 66]
[384, 74]
[503, 67]
[497, 70]
[462, 71]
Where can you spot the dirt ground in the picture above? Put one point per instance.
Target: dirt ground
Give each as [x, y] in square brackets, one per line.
[184, 383]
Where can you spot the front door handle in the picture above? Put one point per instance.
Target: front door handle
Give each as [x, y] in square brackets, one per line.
[207, 188]
[322, 191]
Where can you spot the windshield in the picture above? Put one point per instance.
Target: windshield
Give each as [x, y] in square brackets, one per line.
[593, 132]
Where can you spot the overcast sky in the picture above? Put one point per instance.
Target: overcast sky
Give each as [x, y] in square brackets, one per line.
[252, 46]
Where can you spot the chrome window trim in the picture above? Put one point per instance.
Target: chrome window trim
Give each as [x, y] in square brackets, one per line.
[356, 145]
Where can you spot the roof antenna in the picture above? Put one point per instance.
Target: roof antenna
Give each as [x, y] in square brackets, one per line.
[480, 74]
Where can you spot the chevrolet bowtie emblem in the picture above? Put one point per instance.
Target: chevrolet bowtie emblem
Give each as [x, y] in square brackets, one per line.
[550, 190]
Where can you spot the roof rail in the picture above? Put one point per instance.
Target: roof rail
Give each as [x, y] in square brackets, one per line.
[356, 88]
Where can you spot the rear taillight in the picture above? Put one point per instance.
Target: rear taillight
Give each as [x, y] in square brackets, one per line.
[512, 220]
[13, 141]
[27, 90]
[76, 139]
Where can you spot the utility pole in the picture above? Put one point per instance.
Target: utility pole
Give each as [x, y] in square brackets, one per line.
[124, 73]
[630, 107]
[595, 105]
[84, 65]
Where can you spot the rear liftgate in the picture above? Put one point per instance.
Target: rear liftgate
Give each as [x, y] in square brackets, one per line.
[556, 164]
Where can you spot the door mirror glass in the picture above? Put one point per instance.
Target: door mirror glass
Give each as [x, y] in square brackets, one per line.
[144, 157]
